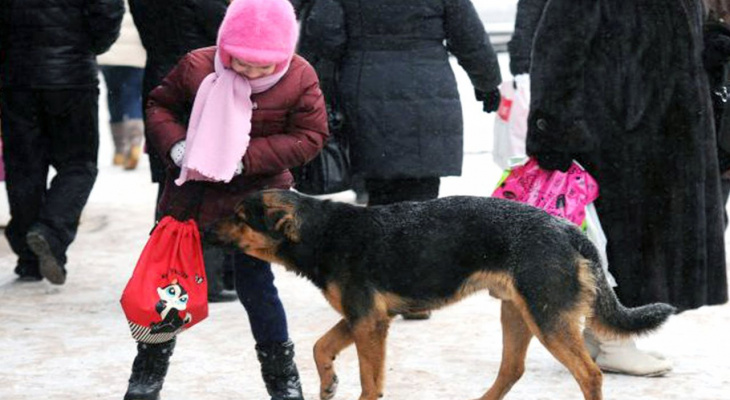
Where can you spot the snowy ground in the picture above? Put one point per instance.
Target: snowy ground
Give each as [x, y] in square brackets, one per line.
[72, 341]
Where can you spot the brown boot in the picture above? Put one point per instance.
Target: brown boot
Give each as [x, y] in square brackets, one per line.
[134, 132]
[118, 137]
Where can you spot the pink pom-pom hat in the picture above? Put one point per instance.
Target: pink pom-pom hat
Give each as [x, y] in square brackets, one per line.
[258, 32]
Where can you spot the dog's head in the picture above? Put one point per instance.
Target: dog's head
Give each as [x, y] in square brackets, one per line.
[261, 222]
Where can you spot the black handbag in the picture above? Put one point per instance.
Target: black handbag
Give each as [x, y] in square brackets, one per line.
[329, 171]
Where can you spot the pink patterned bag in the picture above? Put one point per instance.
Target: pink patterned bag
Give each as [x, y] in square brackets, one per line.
[563, 194]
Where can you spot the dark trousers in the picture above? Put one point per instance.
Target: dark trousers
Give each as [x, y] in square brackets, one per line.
[124, 92]
[254, 283]
[42, 129]
[388, 191]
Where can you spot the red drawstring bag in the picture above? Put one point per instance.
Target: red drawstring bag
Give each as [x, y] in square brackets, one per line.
[168, 292]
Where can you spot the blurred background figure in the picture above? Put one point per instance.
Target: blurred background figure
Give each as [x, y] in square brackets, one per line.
[50, 118]
[123, 69]
[401, 106]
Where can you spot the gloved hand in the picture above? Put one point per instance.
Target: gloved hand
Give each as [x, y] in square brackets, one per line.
[717, 46]
[548, 159]
[490, 99]
[553, 160]
[178, 152]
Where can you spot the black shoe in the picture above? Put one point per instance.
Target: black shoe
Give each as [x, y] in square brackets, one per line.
[279, 371]
[51, 266]
[149, 370]
[224, 296]
[28, 271]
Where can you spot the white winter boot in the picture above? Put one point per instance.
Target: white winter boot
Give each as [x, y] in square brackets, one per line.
[621, 356]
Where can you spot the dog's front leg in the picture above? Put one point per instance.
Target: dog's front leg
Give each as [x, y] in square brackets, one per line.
[370, 335]
[325, 351]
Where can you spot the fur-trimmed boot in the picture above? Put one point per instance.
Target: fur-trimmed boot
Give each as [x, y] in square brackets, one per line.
[621, 356]
[149, 370]
[279, 371]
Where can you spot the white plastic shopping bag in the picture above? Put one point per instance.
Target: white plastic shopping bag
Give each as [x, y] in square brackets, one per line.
[510, 126]
[595, 233]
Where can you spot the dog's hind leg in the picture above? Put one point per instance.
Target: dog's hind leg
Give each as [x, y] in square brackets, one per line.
[516, 338]
[566, 344]
[370, 333]
[325, 351]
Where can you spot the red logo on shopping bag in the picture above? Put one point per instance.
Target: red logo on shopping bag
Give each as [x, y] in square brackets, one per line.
[505, 106]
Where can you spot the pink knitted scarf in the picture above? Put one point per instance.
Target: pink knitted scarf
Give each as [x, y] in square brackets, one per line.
[220, 124]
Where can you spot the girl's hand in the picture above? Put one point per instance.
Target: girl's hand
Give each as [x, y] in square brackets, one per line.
[178, 152]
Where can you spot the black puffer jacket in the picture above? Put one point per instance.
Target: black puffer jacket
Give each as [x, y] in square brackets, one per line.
[54, 43]
[171, 28]
[395, 83]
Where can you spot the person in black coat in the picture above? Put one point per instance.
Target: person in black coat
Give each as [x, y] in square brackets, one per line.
[168, 30]
[619, 86]
[396, 88]
[398, 93]
[49, 104]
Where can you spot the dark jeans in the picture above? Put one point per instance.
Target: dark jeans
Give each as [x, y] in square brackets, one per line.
[124, 92]
[254, 283]
[388, 191]
[44, 128]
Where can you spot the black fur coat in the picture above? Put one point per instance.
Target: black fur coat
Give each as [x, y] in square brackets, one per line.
[621, 86]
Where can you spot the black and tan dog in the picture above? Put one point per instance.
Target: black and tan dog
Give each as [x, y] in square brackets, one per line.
[373, 263]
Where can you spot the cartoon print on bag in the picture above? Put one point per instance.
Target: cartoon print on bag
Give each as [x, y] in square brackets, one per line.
[173, 300]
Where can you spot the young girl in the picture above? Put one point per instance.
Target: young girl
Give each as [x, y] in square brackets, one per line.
[253, 110]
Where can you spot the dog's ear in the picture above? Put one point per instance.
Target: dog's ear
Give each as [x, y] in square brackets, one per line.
[289, 226]
[240, 211]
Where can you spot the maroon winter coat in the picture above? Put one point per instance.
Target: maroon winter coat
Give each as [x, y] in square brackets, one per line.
[288, 128]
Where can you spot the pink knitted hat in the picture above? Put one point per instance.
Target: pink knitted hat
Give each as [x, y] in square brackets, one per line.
[259, 32]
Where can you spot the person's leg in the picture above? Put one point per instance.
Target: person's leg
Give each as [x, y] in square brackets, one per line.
[149, 370]
[71, 122]
[114, 79]
[26, 168]
[254, 282]
[130, 103]
[397, 190]
[214, 258]
[388, 191]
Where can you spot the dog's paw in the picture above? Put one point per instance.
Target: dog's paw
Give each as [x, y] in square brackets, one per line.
[328, 392]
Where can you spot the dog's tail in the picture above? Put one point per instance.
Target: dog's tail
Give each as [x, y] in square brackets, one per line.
[610, 317]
